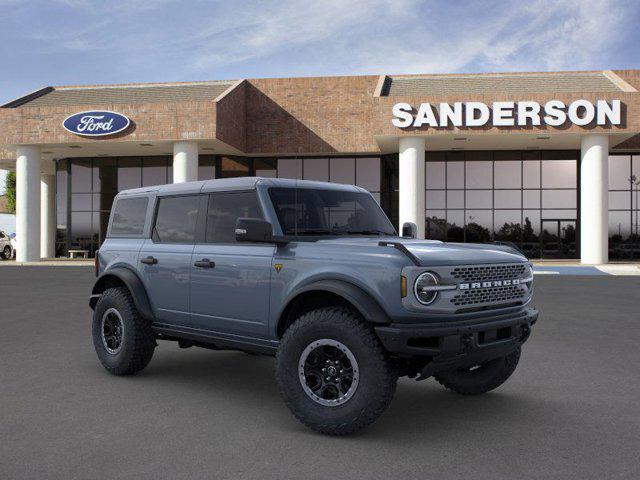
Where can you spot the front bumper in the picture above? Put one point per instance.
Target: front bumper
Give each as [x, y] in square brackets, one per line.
[447, 346]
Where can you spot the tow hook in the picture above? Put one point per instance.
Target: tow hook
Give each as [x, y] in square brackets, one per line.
[466, 340]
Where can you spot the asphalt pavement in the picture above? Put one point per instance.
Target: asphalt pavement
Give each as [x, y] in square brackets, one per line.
[571, 410]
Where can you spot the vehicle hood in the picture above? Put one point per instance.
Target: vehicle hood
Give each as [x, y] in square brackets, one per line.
[433, 252]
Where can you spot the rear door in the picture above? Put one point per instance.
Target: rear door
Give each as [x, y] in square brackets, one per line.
[165, 258]
[230, 281]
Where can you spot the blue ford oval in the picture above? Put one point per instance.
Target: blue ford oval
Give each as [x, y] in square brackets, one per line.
[96, 123]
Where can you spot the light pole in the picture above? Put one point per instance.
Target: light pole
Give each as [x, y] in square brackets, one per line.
[633, 180]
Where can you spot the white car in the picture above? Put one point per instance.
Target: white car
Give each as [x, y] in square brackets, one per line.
[6, 246]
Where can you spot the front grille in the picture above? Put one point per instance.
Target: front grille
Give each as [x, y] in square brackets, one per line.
[494, 295]
[488, 272]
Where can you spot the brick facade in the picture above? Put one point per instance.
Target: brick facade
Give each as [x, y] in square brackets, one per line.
[318, 115]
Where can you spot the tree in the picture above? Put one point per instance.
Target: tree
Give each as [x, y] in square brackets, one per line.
[10, 190]
[476, 233]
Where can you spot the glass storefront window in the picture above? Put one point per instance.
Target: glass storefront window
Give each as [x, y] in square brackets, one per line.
[487, 196]
[478, 226]
[455, 174]
[479, 199]
[624, 201]
[559, 173]
[265, 167]
[342, 170]
[559, 198]
[479, 174]
[436, 199]
[531, 174]
[455, 198]
[435, 173]
[507, 174]
[531, 198]
[290, 168]
[368, 173]
[81, 175]
[231, 167]
[316, 169]
[154, 171]
[507, 199]
[206, 167]
[129, 173]
[619, 172]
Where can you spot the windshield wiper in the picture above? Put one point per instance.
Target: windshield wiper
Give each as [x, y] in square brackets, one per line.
[310, 231]
[367, 232]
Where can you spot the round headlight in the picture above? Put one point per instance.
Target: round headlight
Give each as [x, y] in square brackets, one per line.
[422, 290]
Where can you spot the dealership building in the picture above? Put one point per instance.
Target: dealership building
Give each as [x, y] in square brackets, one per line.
[548, 161]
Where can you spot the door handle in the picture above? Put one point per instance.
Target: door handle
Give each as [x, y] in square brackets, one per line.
[204, 263]
[149, 260]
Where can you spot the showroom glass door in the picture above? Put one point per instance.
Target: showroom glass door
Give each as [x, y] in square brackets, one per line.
[558, 238]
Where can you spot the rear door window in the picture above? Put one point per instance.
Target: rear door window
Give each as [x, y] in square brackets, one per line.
[176, 219]
[129, 215]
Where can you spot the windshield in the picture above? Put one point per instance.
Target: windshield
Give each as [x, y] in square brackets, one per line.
[306, 211]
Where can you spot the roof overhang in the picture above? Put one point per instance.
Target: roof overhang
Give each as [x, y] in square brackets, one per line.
[507, 140]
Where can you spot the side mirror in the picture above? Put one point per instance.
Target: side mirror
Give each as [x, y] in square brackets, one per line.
[409, 230]
[254, 230]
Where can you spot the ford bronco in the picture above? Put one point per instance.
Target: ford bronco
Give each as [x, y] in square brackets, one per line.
[315, 274]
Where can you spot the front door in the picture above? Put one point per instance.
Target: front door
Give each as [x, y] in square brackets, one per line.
[558, 238]
[230, 282]
[165, 259]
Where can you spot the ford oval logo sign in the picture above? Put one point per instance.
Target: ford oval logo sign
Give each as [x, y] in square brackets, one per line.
[96, 123]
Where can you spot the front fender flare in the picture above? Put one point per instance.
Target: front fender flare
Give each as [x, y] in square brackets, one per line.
[368, 307]
[133, 283]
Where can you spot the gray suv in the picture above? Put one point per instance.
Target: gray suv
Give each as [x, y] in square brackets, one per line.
[315, 274]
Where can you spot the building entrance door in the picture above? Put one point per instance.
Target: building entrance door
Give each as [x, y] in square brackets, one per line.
[558, 238]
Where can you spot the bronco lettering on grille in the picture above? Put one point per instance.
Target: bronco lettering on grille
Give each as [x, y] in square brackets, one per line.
[493, 283]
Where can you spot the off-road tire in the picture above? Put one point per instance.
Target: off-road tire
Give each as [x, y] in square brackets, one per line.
[138, 340]
[377, 375]
[6, 253]
[483, 379]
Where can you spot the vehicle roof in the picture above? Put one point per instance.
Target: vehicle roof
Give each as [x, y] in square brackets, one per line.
[240, 183]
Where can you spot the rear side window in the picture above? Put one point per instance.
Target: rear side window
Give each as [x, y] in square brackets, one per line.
[176, 219]
[128, 216]
[223, 211]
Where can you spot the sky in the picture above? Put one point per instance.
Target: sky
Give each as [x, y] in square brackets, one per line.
[76, 42]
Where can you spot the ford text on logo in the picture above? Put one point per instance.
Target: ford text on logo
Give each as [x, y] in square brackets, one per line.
[553, 113]
[96, 124]
[494, 283]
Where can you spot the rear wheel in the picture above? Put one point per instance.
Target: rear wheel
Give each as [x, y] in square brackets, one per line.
[123, 340]
[480, 378]
[333, 373]
[6, 253]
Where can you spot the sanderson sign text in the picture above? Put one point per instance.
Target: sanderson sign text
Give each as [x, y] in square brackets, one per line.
[507, 114]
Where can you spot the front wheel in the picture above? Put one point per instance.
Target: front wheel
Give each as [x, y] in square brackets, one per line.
[6, 253]
[480, 378]
[333, 373]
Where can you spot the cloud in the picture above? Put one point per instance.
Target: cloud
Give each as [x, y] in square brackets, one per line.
[78, 41]
[288, 25]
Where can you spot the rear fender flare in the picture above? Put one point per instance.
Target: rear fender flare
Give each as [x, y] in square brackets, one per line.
[133, 283]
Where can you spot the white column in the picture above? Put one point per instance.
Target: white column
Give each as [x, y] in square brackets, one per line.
[594, 201]
[48, 210]
[28, 203]
[411, 182]
[185, 161]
